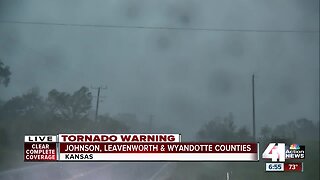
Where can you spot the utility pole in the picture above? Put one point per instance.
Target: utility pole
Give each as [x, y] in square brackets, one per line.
[98, 100]
[253, 111]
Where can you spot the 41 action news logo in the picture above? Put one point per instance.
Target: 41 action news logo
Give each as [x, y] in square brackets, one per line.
[281, 152]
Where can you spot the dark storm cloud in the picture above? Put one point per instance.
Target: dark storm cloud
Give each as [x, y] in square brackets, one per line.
[182, 12]
[133, 9]
[221, 83]
[9, 41]
[179, 71]
[181, 103]
[235, 45]
[10, 7]
[289, 91]
[182, 77]
[163, 42]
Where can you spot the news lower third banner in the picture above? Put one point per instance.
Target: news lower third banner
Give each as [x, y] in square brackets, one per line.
[133, 147]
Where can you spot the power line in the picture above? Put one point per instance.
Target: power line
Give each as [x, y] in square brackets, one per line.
[157, 27]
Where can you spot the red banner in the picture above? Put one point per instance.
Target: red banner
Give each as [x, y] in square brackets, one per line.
[158, 148]
[40, 152]
[293, 167]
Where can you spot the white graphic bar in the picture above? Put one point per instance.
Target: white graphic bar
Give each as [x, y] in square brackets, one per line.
[158, 156]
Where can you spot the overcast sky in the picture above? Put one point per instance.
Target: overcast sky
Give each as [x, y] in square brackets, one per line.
[181, 77]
